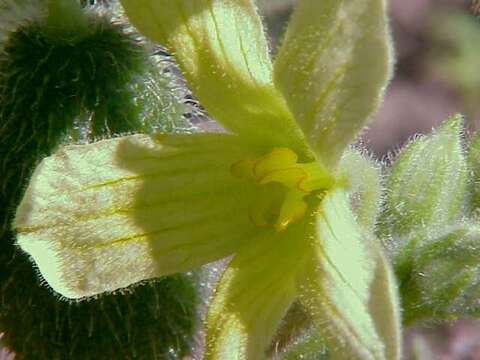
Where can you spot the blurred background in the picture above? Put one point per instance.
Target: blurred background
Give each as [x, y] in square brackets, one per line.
[437, 46]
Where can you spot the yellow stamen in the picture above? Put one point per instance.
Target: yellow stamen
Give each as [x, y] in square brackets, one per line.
[292, 210]
[278, 158]
[297, 179]
[318, 178]
[290, 177]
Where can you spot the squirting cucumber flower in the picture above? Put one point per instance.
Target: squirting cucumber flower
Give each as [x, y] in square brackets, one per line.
[102, 216]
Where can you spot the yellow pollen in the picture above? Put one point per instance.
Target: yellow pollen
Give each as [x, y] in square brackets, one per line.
[298, 180]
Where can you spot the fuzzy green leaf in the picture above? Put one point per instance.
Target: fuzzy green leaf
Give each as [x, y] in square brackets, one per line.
[445, 278]
[426, 188]
[333, 67]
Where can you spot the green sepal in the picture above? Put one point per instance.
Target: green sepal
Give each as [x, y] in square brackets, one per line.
[427, 185]
[445, 278]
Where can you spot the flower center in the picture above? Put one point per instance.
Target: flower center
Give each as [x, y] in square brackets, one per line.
[284, 206]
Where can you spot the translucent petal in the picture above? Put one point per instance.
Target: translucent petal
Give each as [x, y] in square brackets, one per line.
[332, 69]
[100, 217]
[255, 293]
[221, 48]
[347, 287]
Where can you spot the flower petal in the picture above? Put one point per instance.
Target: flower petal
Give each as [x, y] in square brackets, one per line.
[344, 287]
[254, 294]
[333, 67]
[384, 306]
[100, 217]
[221, 48]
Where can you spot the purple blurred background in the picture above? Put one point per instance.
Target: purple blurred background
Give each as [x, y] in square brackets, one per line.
[430, 37]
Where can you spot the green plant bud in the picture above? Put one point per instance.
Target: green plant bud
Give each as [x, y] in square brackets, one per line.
[445, 278]
[427, 184]
[52, 91]
[426, 188]
[365, 182]
[425, 194]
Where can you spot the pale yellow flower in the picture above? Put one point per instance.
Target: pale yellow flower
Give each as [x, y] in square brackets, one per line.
[100, 217]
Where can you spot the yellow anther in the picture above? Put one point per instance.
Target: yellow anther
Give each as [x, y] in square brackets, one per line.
[297, 179]
[278, 158]
[290, 177]
[318, 178]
